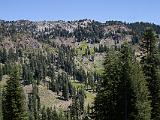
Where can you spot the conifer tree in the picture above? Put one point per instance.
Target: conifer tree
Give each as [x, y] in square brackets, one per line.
[14, 107]
[75, 107]
[136, 94]
[105, 101]
[4, 55]
[119, 96]
[65, 91]
[54, 114]
[1, 116]
[81, 96]
[1, 72]
[36, 101]
[43, 114]
[151, 67]
[49, 114]
[30, 107]
[140, 96]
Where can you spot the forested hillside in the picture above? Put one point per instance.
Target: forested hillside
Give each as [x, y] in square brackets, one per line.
[79, 70]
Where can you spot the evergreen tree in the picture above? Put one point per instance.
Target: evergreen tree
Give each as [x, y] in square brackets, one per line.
[43, 114]
[70, 88]
[34, 103]
[54, 114]
[1, 72]
[136, 94]
[65, 91]
[11, 55]
[140, 96]
[30, 107]
[49, 114]
[1, 114]
[105, 101]
[14, 107]
[4, 56]
[75, 107]
[119, 96]
[81, 96]
[151, 67]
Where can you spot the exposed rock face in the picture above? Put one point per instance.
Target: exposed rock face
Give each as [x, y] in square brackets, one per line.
[29, 34]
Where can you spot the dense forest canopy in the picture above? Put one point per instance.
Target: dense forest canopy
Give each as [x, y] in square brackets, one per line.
[79, 70]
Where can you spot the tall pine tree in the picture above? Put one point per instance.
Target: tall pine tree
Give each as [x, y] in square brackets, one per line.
[105, 101]
[14, 107]
[123, 93]
[1, 116]
[151, 67]
[1, 72]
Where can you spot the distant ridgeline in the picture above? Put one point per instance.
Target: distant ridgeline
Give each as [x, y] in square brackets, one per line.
[89, 30]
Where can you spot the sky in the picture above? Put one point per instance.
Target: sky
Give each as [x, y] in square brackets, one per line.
[100, 10]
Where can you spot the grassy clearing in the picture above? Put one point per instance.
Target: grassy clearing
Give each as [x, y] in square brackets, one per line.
[98, 65]
[77, 84]
[48, 48]
[89, 98]
[89, 95]
[92, 51]
[50, 99]
[82, 48]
